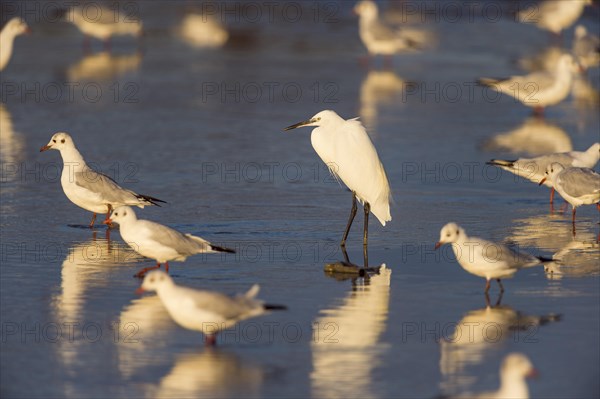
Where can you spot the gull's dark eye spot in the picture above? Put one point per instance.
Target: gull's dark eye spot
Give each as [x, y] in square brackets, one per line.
[151, 279]
[116, 213]
[124, 213]
[54, 140]
[62, 141]
[447, 234]
[457, 232]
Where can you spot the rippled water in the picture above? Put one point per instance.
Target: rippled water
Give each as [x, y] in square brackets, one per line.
[202, 129]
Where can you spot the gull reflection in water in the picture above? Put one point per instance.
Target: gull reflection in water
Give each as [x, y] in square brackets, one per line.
[345, 344]
[574, 255]
[379, 88]
[478, 335]
[103, 66]
[534, 137]
[84, 268]
[211, 373]
[12, 145]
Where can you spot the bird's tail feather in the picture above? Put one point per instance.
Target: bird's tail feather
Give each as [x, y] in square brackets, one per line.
[221, 249]
[501, 162]
[274, 307]
[152, 200]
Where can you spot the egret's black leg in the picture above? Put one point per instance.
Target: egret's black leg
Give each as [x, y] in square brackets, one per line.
[350, 220]
[366, 234]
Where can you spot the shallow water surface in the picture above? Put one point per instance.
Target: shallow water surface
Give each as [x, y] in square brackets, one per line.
[202, 130]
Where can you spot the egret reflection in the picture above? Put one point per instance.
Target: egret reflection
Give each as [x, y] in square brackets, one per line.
[345, 345]
[12, 145]
[378, 89]
[477, 336]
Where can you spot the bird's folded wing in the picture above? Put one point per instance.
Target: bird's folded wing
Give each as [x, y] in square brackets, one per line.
[578, 182]
[104, 186]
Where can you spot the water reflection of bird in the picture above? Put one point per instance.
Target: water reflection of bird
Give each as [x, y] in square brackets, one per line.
[144, 326]
[377, 89]
[211, 374]
[103, 66]
[533, 137]
[478, 335]
[578, 258]
[12, 145]
[345, 344]
[13, 28]
[202, 31]
[515, 368]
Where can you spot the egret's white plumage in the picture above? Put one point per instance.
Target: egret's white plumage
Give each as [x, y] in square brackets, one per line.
[554, 15]
[205, 311]
[539, 89]
[348, 152]
[159, 242]
[13, 28]
[484, 258]
[88, 189]
[534, 169]
[578, 186]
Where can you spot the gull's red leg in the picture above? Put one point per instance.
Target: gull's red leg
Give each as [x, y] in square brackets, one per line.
[167, 267]
[93, 220]
[210, 340]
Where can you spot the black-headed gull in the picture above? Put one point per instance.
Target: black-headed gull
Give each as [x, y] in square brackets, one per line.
[205, 311]
[348, 152]
[483, 258]
[538, 89]
[88, 189]
[515, 368]
[553, 15]
[534, 169]
[157, 241]
[13, 28]
[381, 39]
[578, 186]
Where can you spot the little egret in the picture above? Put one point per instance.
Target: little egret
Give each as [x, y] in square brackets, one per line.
[348, 152]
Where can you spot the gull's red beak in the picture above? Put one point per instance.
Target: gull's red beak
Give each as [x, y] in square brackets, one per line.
[542, 181]
[139, 291]
[46, 147]
[28, 31]
[437, 245]
[533, 373]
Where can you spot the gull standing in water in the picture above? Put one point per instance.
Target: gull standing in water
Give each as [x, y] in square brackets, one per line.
[534, 169]
[348, 152]
[205, 311]
[11, 30]
[381, 39]
[578, 186]
[483, 258]
[553, 15]
[538, 89]
[88, 189]
[157, 241]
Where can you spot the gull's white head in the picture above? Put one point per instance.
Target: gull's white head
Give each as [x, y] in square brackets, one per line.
[59, 141]
[16, 27]
[517, 365]
[122, 215]
[323, 118]
[450, 233]
[155, 280]
[580, 31]
[551, 171]
[595, 151]
[366, 8]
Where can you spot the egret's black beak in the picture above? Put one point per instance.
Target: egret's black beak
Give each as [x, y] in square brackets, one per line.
[299, 124]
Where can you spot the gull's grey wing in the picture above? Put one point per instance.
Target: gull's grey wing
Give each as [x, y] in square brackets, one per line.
[105, 187]
[182, 243]
[229, 308]
[501, 253]
[578, 182]
[382, 32]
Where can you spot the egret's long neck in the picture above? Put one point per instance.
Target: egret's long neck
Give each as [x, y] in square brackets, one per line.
[72, 159]
[6, 45]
